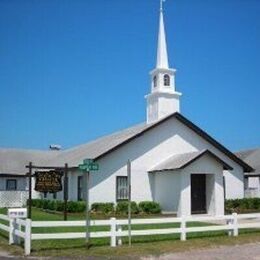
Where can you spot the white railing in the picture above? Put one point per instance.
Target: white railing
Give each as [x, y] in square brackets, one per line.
[230, 223]
[3, 226]
[12, 199]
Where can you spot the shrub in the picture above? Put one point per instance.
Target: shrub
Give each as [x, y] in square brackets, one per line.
[103, 207]
[59, 205]
[242, 205]
[51, 205]
[45, 204]
[149, 207]
[76, 206]
[122, 207]
[38, 203]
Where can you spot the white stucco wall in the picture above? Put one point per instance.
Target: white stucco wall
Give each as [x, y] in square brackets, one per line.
[167, 190]
[153, 147]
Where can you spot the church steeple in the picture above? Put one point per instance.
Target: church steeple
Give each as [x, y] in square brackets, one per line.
[163, 99]
[162, 56]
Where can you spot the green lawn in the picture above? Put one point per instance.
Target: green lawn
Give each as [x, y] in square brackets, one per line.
[157, 243]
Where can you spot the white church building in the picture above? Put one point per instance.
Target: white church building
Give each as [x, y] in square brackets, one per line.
[173, 161]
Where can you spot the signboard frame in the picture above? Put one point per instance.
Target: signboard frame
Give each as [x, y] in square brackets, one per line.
[48, 181]
[64, 169]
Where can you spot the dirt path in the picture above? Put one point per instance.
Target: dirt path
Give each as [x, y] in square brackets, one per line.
[239, 252]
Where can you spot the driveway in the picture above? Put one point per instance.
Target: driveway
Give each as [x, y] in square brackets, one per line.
[238, 252]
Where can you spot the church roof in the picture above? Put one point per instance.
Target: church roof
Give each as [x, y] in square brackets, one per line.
[252, 157]
[104, 145]
[97, 148]
[180, 161]
[14, 161]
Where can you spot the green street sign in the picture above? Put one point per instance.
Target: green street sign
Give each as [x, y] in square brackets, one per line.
[89, 165]
[83, 167]
[93, 167]
[87, 161]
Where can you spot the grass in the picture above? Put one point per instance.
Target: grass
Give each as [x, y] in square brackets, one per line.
[142, 245]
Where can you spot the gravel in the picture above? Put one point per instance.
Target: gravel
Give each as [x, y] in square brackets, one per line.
[238, 252]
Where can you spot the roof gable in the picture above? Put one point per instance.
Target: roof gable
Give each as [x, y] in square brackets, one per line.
[252, 157]
[193, 127]
[180, 161]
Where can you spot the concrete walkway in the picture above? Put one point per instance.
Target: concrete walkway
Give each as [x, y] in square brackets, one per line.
[238, 252]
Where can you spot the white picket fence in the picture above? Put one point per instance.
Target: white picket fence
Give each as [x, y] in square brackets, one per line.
[230, 223]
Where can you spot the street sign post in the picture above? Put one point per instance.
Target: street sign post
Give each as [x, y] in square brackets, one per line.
[87, 166]
[129, 201]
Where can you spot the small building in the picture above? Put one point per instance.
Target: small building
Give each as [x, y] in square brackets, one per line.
[14, 183]
[252, 179]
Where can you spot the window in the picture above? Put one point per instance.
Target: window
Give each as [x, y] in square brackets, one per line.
[45, 195]
[166, 80]
[154, 81]
[80, 187]
[54, 195]
[11, 184]
[121, 188]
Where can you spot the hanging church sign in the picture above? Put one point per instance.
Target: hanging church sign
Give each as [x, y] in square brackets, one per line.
[48, 181]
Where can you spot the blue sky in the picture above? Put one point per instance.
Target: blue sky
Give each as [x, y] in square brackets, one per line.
[73, 70]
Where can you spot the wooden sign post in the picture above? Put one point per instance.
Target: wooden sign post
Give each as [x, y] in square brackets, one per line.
[48, 181]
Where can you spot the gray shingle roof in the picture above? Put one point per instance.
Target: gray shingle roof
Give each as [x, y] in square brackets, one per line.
[252, 157]
[180, 161]
[13, 161]
[94, 149]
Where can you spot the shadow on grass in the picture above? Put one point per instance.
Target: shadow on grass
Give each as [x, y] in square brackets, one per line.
[4, 235]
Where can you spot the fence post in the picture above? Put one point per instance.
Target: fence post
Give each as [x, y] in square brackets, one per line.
[119, 239]
[27, 242]
[183, 228]
[19, 227]
[12, 226]
[235, 225]
[230, 225]
[113, 232]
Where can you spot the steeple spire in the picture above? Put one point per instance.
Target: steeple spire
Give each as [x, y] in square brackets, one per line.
[162, 56]
[163, 99]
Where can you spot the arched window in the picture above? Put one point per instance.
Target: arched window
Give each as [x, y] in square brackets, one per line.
[154, 81]
[166, 80]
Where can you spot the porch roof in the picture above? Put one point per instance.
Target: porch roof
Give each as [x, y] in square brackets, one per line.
[180, 161]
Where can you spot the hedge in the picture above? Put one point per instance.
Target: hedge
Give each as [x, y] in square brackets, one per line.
[149, 207]
[242, 205]
[144, 207]
[58, 205]
[122, 207]
[104, 208]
